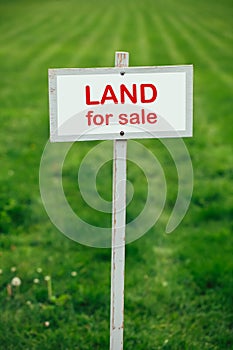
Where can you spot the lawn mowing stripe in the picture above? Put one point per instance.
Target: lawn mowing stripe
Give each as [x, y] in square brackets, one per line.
[200, 27]
[115, 38]
[143, 42]
[30, 16]
[214, 40]
[156, 46]
[168, 40]
[90, 44]
[52, 48]
[199, 51]
[129, 32]
[43, 36]
[217, 58]
[215, 26]
[48, 27]
[149, 37]
[20, 29]
[215, 12]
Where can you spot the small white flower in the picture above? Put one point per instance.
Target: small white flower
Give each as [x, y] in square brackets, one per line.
[164, 284]
[39, 270]
[16, 282]
[47, 278]
[47, 324]
[13, 269]
[36, 280]
[73, 273]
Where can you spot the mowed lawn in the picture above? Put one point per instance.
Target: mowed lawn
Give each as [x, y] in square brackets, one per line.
[178, 287]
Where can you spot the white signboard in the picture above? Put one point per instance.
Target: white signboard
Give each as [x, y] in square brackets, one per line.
[120, 103]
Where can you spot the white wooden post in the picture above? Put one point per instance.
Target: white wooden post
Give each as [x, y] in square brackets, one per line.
[118, 232]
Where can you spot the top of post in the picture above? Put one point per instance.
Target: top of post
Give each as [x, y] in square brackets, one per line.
[121, 59]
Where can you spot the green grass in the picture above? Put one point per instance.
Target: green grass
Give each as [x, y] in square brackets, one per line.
[178, 292]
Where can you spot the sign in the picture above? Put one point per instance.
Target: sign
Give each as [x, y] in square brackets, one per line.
[120, 103]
